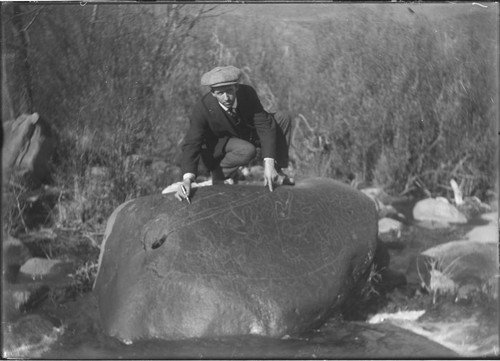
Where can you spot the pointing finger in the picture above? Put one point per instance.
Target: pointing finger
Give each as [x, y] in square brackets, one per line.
[270, 184]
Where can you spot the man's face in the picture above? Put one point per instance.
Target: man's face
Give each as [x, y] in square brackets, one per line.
[225, 94]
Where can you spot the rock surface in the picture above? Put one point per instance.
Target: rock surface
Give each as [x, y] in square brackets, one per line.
[29, 146]
[15, 253]
[45, 269]
[389, 230]
[238, 260]
[462, 266]
[438, 210]
[448, 332]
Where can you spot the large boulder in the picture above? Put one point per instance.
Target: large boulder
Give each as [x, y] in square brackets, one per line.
[28, 147]
[238, 260]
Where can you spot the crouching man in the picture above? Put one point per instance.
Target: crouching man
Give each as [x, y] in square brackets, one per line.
[226, 126]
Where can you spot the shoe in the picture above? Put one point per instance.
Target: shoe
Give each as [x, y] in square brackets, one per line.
[284, 180]
[233, 178]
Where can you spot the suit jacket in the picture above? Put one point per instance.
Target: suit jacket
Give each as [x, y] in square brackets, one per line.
[210, 129]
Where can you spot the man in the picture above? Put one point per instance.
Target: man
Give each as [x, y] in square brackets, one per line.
[226, 126]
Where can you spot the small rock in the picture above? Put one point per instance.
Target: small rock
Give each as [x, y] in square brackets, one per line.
[15, 253]
[389, 230]
[42, 268]
[438, 210]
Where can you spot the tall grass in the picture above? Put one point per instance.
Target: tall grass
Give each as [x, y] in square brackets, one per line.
[384, 102]
[115, 82]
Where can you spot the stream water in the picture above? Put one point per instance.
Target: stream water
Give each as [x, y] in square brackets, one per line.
[83, 338]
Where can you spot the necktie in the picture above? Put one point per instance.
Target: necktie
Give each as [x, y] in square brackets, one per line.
[233, 115]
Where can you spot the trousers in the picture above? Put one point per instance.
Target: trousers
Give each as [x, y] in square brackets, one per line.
[239, 152]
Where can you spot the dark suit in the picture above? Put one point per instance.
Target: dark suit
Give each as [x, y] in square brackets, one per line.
[210, 129]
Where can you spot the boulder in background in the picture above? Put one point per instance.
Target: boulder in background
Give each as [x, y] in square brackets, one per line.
[28, 147]
[466, 265]
[438, 210]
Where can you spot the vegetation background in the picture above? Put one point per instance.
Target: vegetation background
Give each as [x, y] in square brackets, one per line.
[402, 96]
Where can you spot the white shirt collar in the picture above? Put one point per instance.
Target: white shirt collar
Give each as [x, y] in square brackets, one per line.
[235, 104]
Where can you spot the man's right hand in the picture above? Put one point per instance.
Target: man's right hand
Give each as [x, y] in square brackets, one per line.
[185, 185]
[270, 173]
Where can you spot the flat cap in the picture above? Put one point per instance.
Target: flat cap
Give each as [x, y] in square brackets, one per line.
[220, 76]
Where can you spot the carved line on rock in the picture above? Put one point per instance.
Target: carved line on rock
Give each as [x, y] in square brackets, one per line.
[212, 212]
[332, 265]
[281, 208]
